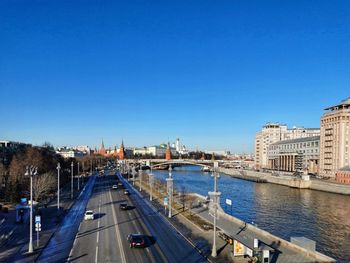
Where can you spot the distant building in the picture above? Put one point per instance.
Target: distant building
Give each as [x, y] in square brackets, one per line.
[70, 152]
[284, 155]
[83, 148]
[218, 152]
[335, 137]
[275, 132]
[168, 152]
[155, 151]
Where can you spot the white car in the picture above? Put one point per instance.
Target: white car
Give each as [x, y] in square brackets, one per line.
[115, 186]
[89, 215]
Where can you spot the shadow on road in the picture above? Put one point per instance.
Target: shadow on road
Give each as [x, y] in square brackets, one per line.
[76, 258]
[99, 215]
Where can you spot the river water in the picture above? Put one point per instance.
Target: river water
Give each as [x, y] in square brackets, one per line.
[280, 210]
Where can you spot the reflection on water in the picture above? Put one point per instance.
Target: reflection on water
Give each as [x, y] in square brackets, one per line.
[283, 211]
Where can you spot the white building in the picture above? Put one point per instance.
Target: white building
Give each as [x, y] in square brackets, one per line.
[275, 132]
[156, 150]
[70, 153]
[283, 155]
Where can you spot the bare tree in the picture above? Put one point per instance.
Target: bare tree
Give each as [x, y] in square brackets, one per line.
[190, 200]
[43, 184]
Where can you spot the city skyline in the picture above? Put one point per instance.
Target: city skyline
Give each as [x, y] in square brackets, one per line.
[209, 74]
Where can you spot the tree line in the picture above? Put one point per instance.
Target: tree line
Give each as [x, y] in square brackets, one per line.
[14, 184]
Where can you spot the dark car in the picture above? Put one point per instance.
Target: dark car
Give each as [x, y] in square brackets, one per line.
[136, 240]
[123, 206]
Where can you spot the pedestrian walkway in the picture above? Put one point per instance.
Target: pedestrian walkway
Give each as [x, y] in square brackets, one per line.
[245, 234]
[15, 247]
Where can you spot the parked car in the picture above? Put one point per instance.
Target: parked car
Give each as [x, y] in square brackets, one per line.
[89, 215]
[115, 186]
[136, 240]
[123, 206]
[126, 192]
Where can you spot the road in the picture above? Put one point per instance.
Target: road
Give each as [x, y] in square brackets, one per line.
[60, 244]
[104, 239]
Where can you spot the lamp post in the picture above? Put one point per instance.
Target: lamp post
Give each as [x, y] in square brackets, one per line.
[71, 185]
[140, 178]
[150, 179]
[31, 171]
[78, 178]
[169, 182]
[215, 200]
[58, 185]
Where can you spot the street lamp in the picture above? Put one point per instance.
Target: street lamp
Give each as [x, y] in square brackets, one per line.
[169, 182]
[71, 185]
[31, 171]
[58, 185]
[78, 178]
[140, 178]
[150, 179]
[215, 202]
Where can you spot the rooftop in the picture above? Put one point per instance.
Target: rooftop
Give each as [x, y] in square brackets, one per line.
[305, 139]
[344, 104]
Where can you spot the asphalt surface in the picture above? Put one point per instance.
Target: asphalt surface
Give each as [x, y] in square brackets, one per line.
[104, 239]
[59, 246]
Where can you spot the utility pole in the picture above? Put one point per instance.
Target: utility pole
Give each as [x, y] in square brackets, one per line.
[31, 171]
[71, 186]
[215, 203]
[169, 182]
[58, 185]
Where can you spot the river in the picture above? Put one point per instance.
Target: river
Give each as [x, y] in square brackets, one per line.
[280, 210]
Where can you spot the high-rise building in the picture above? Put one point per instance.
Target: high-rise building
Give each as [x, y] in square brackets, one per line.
[275, 132]
[335, 137]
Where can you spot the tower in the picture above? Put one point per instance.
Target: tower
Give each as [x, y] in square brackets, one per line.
[102, 150]
[168, 153]
[121, 151]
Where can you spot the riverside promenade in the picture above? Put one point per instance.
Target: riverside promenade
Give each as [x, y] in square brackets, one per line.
[287, 180]
[280, 249]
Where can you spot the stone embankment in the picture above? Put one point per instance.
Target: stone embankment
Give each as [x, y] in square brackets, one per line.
[286, 180]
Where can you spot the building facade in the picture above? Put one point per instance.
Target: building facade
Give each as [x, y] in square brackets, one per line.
[287, 154]
[335, 137]
[275, 132]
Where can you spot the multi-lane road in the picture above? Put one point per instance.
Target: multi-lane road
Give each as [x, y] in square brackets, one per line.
[104, 239]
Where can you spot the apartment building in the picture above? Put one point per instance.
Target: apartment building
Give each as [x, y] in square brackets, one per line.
[334, 139]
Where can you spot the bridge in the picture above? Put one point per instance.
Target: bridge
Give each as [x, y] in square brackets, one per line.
[154, 163]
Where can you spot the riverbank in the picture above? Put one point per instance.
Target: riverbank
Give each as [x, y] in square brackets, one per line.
[286, 180]
[196, 214]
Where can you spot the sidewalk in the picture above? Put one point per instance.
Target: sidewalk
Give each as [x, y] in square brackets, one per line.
[14, 249]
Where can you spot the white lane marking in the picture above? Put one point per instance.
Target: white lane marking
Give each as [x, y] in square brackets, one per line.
[117, 230]
[96, 256]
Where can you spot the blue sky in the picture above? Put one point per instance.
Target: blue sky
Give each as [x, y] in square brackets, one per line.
[209, 72]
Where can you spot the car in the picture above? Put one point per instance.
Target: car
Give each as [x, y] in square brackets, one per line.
[123, 206]
[126, 192]
[89, 215]
[136, 240]
[115, 186]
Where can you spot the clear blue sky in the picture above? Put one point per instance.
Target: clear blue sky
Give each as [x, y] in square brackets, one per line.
[209, 72]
